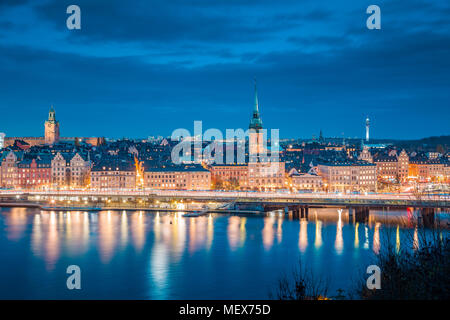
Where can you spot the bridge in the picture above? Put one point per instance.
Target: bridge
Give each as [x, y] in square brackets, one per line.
[242, 202]
[238, 198]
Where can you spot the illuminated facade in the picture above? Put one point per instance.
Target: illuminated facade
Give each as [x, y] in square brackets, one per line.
[69, 170]
[51, 128]
[402, 166]
[266, 175]
[79, 171]
[34, 174]
[425, 169]
[233, 174]
[178, 178]
[306, 181]
[390, 166]
[387, 168]
[365, 155]
[264, 172]
[348, 176]
[256, 135]
[113, 175]
[9, 169]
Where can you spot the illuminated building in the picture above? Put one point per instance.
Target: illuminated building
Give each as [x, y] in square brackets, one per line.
[423, 169]
[365, 155]
[256, 135]
[306, 181]
[264, 173]
[9, 169]
[236, 174]
[113, 174]
[390, 166]
[51, 128]
[402, 165]
[348, 176]
[181, 178]
[386, 167]
[70, 170]
[34, 173]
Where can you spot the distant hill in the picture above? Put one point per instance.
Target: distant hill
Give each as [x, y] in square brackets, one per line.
[426, 144]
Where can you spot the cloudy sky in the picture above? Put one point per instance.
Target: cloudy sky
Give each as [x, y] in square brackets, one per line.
[140, 68]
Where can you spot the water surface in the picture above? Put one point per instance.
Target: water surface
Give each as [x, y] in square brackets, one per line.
[150, 255]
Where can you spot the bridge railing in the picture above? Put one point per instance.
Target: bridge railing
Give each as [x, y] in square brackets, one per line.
[314, 197]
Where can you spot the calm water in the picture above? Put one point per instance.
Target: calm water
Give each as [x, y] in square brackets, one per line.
[139, 255]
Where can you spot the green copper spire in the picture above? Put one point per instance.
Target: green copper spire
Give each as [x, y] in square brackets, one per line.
[256, 99]
[256, 122]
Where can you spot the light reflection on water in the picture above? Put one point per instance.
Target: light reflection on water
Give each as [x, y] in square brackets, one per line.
[156, 255]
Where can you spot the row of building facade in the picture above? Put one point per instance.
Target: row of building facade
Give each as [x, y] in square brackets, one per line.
[57, 165]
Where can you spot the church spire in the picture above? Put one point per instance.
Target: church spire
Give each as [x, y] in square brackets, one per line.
[256, 122]
[256, 108]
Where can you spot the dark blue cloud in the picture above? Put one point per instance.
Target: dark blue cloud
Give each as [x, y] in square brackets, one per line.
[148, 67]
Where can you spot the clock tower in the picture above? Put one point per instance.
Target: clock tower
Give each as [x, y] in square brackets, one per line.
[51, 128]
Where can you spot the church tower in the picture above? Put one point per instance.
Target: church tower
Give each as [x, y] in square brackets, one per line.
[256, 134]
[51, 128]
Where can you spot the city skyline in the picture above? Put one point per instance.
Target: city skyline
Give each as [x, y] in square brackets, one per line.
[157, 69]
[224, 150]
[314, 135]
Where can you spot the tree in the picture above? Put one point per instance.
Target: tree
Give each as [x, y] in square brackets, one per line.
[234, 184]
[217, 183]
[303, 284]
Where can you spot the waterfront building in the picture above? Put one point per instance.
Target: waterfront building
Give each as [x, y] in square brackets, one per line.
[446, 173]
[266, 176]
[60, 170]
[235, 175]
[425, 169]
[179, 178]
[348, 176]
[387, 167]
[34, 173]
[9, 169]
[305, 181]
[113, 174]
[80, 167]
[70, 170]
[390, 165]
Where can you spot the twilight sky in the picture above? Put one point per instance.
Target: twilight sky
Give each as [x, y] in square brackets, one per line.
[140, 68]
